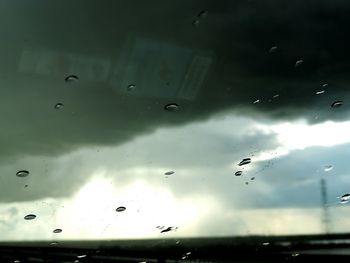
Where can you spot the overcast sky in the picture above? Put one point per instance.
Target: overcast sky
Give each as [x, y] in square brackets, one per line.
[111, 143]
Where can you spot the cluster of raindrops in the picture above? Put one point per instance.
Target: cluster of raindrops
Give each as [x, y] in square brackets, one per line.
[201, 15]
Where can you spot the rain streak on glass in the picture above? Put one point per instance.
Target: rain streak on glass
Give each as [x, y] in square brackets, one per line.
[71, 78]
[30, 217]
[238, 173]
[121, 209]
[256, 101]
[82, 256]
[324, 85]
[337, 104]
[328, 168]
[299, 62]
[245, 161]
[22, 173]
[320, 92]
[171, 107]
[275, 96]
[58, 106]
[169, 173]
[57, 231]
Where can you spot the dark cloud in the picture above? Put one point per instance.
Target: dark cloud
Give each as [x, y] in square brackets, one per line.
[111, 45]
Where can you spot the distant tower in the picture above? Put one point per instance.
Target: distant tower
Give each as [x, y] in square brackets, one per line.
[326, 221]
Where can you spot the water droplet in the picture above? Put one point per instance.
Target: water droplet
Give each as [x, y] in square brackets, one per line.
[22, 173]
[169, 173]
[195, 22]
[71, 78]
[246, 183]
[320, 92]
[57, 231]
[58, 106]
[54, 243]
[82, 256]
[26, 185]
[345, 198]
[188, 253]
[238, 173]
[295, 254]
[30, 217]
[324, 85]
[266, 243]
[299, 62]
[253, 178]
[168, 229]
[131, 87]
[337, 104]
[273, 49]
[276, 96]
[256, 101]
[121, 209]
[171, 107]
[328, 168]
[177, 242]
[202, 14]
[16, 261]
[245, 161]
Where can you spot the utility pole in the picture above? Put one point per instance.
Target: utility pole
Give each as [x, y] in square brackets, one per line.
[326, 220]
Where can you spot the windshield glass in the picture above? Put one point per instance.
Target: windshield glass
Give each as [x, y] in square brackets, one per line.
[169, 119]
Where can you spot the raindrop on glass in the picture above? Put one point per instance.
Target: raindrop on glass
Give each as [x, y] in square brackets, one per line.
[30, 217]
[131, 87]
[26, 185]
[82, 256]
[299, 62]
[17, 261]
[59, 106]
[256, 101]
[238, 173]
[121, 209]
[324, 85]
[320, 92]
[246, 183]
[328, 168]
[337, 104]
[57, 231]
[245, 161]
[202, 14]
[169, 173]
[171, 107]
[253, 178]
[54, 243]
[265, 243]
[22, 173]
[275, 96]
[195, 22]
[71, 78]
[168, 229]
[273, 49]
[345, 198]
[295, 254]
